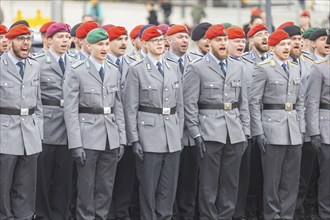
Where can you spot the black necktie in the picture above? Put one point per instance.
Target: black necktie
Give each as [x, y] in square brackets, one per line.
[222, 67]
[160, 68]
[181, 65]
[295, 60]
[263, 58]
[21, 68]
[61, 63]
[286, 69]
[118, 64]
[101, 72]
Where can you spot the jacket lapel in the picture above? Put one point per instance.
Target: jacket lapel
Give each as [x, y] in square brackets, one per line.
[125, 69]
[280, 70]
[153, 70]
[54, 64]
[11, 67]
[212, 64]
[93, 71]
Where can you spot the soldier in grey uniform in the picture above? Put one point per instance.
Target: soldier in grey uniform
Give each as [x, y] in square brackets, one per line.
[55, 161]
[198, 36]
[217, 117]
[279, 126]
[125, 174]
[236, 45]
[77, 47]
[21, 126]
[154, 121]
[143, 51]
[318, 126]
[43, 30]
[135, 39]
[95, 126]
[307, 47]
[3, 39]
[318, 41]
[81, 34]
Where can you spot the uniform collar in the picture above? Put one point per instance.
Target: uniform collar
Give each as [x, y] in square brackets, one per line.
[279, 61]
[96, 64]
[114, 58]
[56, 56]
[217, 60]
[175, 57]
[154, 61]
[14, 59]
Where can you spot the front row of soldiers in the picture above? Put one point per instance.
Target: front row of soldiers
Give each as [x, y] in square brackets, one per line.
[192, 120]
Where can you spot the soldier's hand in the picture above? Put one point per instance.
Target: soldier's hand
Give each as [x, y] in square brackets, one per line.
[200, 144]
[316, 142]
[79, 155]
[246, 142]
[137, 150]
[303, 137]
[262, 142]
[121, 151]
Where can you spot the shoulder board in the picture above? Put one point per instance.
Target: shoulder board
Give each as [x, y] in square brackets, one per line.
[130, 58]
[197, 60]
[320, 61]
[39, 55]
[137, 62]
[196, 54]
[308, 57]
[72, 55]
[293, 62]
[264, 62]
[246, 53]
[77, 64]
[32, 58]
[169, 59]
[110, 63]
[245, 59]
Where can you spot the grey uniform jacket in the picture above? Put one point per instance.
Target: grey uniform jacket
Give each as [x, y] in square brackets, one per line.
[205, 83]
[83, 87]
[186, 139]
[20, 134]
[51, 84]
[271, 85]
[254, 56]
[318, 91]
[146, 86]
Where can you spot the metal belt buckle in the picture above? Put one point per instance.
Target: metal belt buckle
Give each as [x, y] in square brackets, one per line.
[227, 106]
[24, 111]
[166, 111]
[288, 106]
[107, 110]
[61, 102]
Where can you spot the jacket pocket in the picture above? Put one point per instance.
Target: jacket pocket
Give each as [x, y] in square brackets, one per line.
[7, 90]
[277, 86]
[212, 89]
[91, 94]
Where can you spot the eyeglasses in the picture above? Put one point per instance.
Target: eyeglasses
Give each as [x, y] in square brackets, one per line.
[21, 39]
[262, 35]
[157, 41]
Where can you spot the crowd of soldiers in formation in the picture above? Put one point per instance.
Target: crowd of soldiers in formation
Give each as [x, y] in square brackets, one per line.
[93, 132]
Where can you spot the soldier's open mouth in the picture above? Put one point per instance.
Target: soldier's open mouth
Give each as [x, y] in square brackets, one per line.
[240, 49]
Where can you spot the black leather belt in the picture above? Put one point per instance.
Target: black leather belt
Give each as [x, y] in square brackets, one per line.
[324, 106]
[52, 102]
[163, 111]
[225, 106]
[96, 110]
[11, 111]
[287, 106]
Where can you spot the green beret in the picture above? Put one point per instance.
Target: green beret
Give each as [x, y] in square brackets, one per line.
[96, 35]
[308, 32]
[227, 25]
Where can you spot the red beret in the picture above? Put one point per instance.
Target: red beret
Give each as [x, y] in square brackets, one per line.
[57, 27]
[84, 28]
[45, 26]
[305, 14]
[288, 23]
[256, 12]
[277, 36]
[3, 29]
[164, 28]
[135, 32]
[235, 32]
[255, 29]
[177, 28]
[17, 30]
[150, 33]
[215, 30]
[107, 26]
[116, 31]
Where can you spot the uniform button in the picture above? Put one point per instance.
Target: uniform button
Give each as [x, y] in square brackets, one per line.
[92, 90]
[48, 79]
[166, 99]
[288, 84]
[83, 119]
[106, 116]
[113, 88]
[23, 97]
[142, 122]
[226, 112]
[22, 119]
[289, 113]
[166, 118]
[225, 85]
[149, 87]
[166, 89]
[23, 87]
[104, 97]
[211, 85]
[204, 116]
[6, 84]
[122, 87]
[321, 117]
[289, 93]
[269, 119]
[103, 87]
[276, 81]
[225, 94]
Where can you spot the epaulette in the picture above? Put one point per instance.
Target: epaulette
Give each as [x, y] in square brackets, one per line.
[245, 59]
[308, 57]
[196, 54]
[246, 53]
[77, 64]
[39, 55]
[264, 62]
[111, 63]
[197, 60]
[320, 61]
[32, 58]
[137, 62]
[72, 55]
[129, 59]
[169, 59]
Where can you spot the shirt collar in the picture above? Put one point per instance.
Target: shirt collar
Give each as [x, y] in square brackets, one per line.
[84, 53]
[217, 60]
[279, 61]
[143, 53]
[175, 57]
[154, 61]
[319, 58]
[14, 59]
[96, 64]
[56, 56]
[114, 58]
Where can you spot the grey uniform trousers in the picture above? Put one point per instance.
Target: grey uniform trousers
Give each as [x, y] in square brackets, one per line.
[324, 182]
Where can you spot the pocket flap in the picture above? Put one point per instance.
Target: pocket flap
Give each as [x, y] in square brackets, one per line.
[296, 81]
[236, 83]
[92, 89]
[87, 119]
[147, 87]
[211, 85]
[5, 121]
[47, 113]
[112, 88]
[6, 84]
[276, 81]
[47, 79]
[146, 121]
